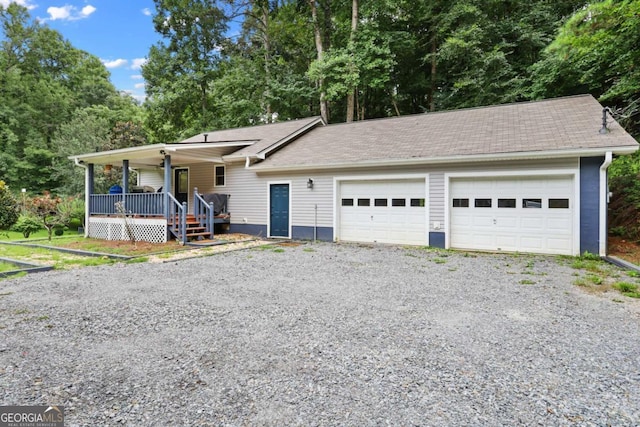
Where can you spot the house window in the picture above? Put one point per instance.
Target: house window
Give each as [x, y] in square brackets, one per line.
[347, 202]
[220, 176]
[460, 203]
[380, 202]
[482, 203]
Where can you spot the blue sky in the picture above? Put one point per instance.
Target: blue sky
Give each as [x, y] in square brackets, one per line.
[119, 32]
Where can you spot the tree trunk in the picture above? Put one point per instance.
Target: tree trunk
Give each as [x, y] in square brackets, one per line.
[266, 45]
[324, 111]
[432, 89]
[351, 96]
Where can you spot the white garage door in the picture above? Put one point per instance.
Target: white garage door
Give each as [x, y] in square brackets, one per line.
[383, 211]
[514, 214]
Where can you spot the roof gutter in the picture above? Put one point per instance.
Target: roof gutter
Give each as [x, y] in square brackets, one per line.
[452, 159]
[604, 202]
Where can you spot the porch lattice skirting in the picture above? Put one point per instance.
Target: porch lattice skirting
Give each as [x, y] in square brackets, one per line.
[143, 229]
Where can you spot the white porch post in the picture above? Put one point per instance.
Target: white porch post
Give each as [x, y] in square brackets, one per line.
[167, 183]
[88, 191]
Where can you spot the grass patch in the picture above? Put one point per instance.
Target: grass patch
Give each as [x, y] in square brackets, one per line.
[596, 280]
[21, 311]
[527, 282]
[43, 318]
[581, 281]
[627, 289]
[308, 250]
[11, 236]
[439, 260]
[264, 248]
[137, 260]
[7, 266]
[278, 250]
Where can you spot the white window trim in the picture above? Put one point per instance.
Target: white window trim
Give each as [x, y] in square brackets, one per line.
[215, 176]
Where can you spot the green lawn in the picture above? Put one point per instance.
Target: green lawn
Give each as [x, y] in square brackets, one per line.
[6, 266]
[14, 235]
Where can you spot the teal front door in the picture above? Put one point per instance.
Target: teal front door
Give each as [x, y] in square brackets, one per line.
[279, 210]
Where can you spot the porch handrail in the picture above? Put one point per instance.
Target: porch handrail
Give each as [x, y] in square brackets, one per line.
[134, 203]
[203, 212]
[177, 219]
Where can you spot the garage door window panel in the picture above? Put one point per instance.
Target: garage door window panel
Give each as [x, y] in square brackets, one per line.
[507, 203]
[347, 202]
[364, 202]
[399, 202]
[558, 203]
[482, 203]
[380, 202]
[460, 203]
[532, 203]
[417, 203]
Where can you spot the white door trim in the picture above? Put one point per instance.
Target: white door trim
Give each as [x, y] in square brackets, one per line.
[269, 184]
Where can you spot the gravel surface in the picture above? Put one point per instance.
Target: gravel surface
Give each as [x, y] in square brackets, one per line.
[322, 334]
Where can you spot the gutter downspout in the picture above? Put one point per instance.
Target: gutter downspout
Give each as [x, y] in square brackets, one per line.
[86, 196]
[604, 202]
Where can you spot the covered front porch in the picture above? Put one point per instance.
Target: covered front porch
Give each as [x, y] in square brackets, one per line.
[150, 214]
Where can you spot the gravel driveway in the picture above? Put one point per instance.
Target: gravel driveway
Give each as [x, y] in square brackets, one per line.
[322, 334]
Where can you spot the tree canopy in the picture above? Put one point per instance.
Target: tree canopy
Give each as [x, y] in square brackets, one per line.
[232, 63]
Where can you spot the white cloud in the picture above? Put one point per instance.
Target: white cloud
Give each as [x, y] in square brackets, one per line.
[136, 77]
[146, 11]
[139, 85]
[69, 13]
[25, 3]
[87, 10]
[137, 63]
[116, 63]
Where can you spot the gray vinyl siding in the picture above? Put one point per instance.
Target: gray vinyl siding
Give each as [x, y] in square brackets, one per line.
[151, 177]
[249, 196]
[436, 200]
[201, 177]
[249, 188]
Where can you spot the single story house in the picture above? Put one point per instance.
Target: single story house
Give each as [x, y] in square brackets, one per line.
[526, 177]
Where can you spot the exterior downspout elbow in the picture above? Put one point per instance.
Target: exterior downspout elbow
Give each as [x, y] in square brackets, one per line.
[604, 202]
[247, 162]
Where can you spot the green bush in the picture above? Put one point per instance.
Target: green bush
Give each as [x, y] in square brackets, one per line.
[58, 231]
[26, 225]
[8, 208]
[74, 224]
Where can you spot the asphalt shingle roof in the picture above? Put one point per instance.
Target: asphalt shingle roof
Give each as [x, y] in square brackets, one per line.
[569, 123]
[263, 135]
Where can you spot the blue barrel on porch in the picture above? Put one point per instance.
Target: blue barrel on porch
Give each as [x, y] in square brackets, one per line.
[115, 189]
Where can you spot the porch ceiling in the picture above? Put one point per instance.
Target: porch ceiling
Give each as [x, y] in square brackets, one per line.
[153, 155]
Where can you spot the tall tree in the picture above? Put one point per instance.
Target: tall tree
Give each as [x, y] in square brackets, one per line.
[181, 68]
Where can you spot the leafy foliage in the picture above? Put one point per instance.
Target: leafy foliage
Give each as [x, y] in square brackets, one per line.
[8, 208]
[27, 224]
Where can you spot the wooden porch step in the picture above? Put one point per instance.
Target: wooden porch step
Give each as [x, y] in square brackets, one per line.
[200, 233]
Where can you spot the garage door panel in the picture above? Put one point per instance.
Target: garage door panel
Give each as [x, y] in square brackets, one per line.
[502, 226]
[385, 224]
